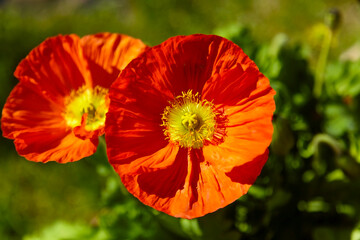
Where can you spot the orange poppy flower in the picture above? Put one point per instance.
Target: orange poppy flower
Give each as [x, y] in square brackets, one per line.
[189, 125]
[57, 110]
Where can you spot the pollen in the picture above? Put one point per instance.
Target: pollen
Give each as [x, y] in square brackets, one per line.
[190, 121]
[89, 103]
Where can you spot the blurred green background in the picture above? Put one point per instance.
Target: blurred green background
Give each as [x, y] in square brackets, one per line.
[310, 186]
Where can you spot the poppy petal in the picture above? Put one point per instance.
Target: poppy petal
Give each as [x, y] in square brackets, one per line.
[247, 100]
[158, 186]
[59, 145]
[108, 54]
[43, 136]
[18, 112]
[55, 67]
[185, 63]
[133, 124]
[189, 188]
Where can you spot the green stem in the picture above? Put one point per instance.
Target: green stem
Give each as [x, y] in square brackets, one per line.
[102, 143]
[101, 151]
[331, 142]
[321, 64]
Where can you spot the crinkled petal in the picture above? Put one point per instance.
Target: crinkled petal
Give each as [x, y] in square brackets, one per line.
[247, 173]
[39, 130]
[157, 187]
[133, 123]
[28, 109]
[190, 187]
[53, 144]
[55, 68]
[108, 54]
[185, 63]
[248, 103]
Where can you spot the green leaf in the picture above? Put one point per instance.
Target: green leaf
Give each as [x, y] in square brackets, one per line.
[63, 230]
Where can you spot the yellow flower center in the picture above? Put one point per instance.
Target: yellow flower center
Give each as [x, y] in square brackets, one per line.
[90, 101]
[189, 121]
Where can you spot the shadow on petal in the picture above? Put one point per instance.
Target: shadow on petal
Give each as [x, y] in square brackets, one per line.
[248, 172]
[164, 183]
[100, 76]
[196, 156]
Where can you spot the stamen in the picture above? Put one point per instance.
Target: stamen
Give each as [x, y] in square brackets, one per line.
[191, 122]
[92, 102]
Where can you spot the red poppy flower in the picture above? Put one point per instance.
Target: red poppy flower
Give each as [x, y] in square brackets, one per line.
[189, 125]
[57, 110]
